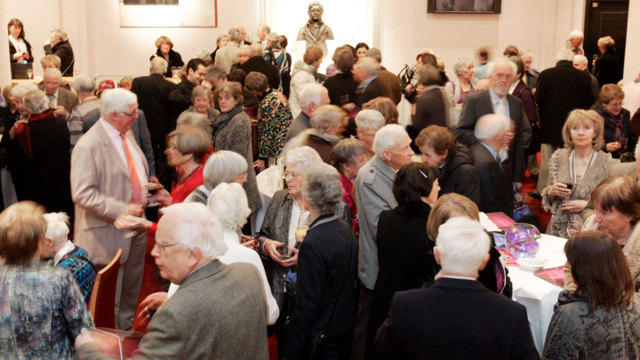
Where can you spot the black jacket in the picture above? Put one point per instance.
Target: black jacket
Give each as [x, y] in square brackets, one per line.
[459, 175]
[607, 69]
[64, 51]
[341, 85]
[12, 50]
[495, 184]
[180, 97]
[610, 130]
[175, 60]
[259, 64]
[372, 91]
[153, 98]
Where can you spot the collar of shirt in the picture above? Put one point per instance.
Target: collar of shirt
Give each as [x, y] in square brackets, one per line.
[495, 98]
[491, 150]
[367, 82]
[64, 250]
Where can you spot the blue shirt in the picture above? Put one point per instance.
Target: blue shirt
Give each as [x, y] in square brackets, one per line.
[495, 99]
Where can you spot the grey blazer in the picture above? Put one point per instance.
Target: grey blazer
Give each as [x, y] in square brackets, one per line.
[373, 195]
[67, 99]
[218, 312]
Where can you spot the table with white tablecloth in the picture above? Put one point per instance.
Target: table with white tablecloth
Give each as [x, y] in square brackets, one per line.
[538, 295]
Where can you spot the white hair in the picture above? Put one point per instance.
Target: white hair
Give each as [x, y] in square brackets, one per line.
[463, 246]
[53, 72]
[303, 156]
[36, 101]
[387, 137]
[491, 65]
[22, 88]
[370, 119]
[256, 49]
[117, 100]
[321, 188]
[192, 118]
[234, 34]
[192, 226]
[223, 166]
[57, 227]
[158, 65]
[490, 125]
[84, 83]
[312, 93]
[326, 117]
[574, 34]
[229, 203]
[580, 60]
[564, 55]
[244, 50]
[461, 63]
[369, 65]
[59, 34]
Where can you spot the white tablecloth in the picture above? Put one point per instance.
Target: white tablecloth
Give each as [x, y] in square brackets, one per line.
[538, 295]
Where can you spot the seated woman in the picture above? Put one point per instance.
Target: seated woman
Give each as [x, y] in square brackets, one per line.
[327, 124]
[600, 319]
[201, 104]
[619, 140]
[432, 106]
[66, 255]
[368, 123]
[405, 257]
[494, 276]
[164, 47]
[385, 106]
[325, 303]
[41, 307]
[456, 173]
[575, 171]
[347, 157]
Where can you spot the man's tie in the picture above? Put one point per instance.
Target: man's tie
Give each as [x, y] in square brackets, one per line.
[501, 108]
[136, 197]
[52, 104]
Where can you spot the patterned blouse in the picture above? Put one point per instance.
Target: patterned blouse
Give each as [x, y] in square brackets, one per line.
[274, 120]
[41, 312]
[79, 263]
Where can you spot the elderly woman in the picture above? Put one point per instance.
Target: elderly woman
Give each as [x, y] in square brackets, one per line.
[432, 106]
[607, 67]
[368, 123]
[223, 166]
[575, 171]
[347, 157]
[274, 118]
[19, 47]
[221, 41]
[327, 124]
[600, 319]
[192, 118]
[66, 255]
[457, 173]
[164, 50]
[325, 305]
[341, 85]
[494, 276]
[304, 72]
[618, 137]
[60, 46]
[405, 258]
[385, 106]
[41, 307]
[463, 84]
[232, 131]
[201, 104]
[244, 53]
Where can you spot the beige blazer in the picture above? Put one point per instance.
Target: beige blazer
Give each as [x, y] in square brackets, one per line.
[101, 191]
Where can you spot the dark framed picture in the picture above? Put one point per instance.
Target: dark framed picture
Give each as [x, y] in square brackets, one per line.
[464, 6]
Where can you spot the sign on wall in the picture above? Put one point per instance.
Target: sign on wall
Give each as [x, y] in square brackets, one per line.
[168, 13]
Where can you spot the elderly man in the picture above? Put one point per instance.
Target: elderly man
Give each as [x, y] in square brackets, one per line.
[581, 62]
[60, 99]
[493, 134]
[153, 98]
[219, 311]
[243, 36]
[262, 32]
[374, 183]
[311, 97]
[560, 89]
[574, 42]
[388, 80]
[456, 317]
[108, 174]
[530, 76]
[497, 100]
[89, 107]
[180, 97]
[228, 55]
[365, 73]
[257, 63]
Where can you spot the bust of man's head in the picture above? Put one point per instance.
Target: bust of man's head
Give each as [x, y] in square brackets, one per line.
[315, 11]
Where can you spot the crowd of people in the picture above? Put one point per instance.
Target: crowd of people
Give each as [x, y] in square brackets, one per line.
[371, 249]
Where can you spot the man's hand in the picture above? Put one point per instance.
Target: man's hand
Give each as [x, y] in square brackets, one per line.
[151, 304]
[259, 164]
[60, 111]
[136, 210]
[128, 222]
[83, 338]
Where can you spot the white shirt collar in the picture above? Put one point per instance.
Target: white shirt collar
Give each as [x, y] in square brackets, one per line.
[64, 250]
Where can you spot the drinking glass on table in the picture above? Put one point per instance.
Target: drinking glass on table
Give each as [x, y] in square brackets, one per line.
[30, 73]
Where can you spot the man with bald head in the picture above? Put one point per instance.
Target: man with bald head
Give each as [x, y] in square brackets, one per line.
[581, 62]
[257, 63]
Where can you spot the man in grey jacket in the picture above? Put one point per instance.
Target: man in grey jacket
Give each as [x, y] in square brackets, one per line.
[374, 194]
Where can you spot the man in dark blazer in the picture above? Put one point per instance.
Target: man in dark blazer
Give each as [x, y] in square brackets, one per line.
[560, 89]
[153, 98]
[219, 310]
[457, 317]
[257, 63]
[180, 97]
[60, 99]
[365, 72]
[497, 100]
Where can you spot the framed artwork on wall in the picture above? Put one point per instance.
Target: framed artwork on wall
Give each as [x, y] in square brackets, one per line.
[464, 6]
[168, 13]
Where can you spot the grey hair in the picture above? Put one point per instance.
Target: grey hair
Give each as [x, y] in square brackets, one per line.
[370, 119]
[57, 226]
[489, 125]
[192, 118]
[22, 88]
[84, 83]
[346, 152]
[311, 93]
[574, 34]
[158, 65]
[117, 100]
[222, 36]
[223, 166]
[229, 203]
[321, 188]
[264, 28]
[52, 72]
[215, 73]
[234, 34]
[368, 65]
[303, 156]
[387, 137]
[564, 54]
[461, 63]
[463, 246]
[192, 226]
[244, 50]
[374, 53]
[580, 59]
[59, 34]
[325, 117]
[36, 101]
[428, 74]
[256, 49]
[503, 60]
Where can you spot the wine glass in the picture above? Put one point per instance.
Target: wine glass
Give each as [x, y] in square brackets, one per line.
[30, 73]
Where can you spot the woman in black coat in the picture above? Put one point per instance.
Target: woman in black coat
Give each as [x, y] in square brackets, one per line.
[165, 51]
[342, 87]
[60, 46]
[405, 256]
[607, 68]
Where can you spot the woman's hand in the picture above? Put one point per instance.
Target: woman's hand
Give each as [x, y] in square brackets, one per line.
[12, 131]
[163, 197]
[83, 338]
[259, 164]
[249, 242]
[559, 190]
[613, 146]
[574, 206]
[271, 247]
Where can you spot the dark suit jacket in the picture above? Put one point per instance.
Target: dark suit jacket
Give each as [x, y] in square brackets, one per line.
[495, 184]
[372, 91]
[339, 85]
[259, 64]
[455, 319]
[180, 97]
[153, 98]
[64, 51]
[431, 109]
[67, 99]
[478, 104]
[560, 89]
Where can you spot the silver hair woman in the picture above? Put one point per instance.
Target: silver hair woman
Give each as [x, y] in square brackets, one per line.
[191, 118]
[368, 122]
[223, 166]
[463, 84]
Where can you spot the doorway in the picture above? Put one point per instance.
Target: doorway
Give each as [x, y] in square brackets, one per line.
[602, 18]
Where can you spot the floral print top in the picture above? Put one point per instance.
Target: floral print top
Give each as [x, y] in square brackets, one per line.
[274, 118]
[41, 312]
